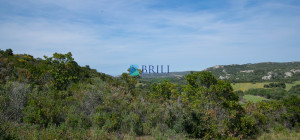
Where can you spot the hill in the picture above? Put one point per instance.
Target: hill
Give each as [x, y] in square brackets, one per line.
[165, 75]
[259, 72]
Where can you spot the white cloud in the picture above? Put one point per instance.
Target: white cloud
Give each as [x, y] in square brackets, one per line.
[117, 33]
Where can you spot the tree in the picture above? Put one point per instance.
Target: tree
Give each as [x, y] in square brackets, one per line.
[164, 90]
[204, 79]
[204, 84]
[275, 85]
[63, 70]
[130, 81]
[8, 52]
[216, 99]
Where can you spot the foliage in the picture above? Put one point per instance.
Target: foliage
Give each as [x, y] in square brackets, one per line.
[275, 85]
[7, 52]
[247, 86]
[63, 70]
[165, 90]
[256, 72]
[295, 90]
[274, 93]
[253, 98]
[245, 73]
[55, 98]
[129, 82]
[292, 115]
[46, 108]
[205, 85]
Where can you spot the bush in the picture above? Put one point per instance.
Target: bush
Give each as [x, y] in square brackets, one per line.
[164, 90]
[46, 108]
[57, 99]
[13, 100]
[64, 70]
[274, 93]
[78, 121]
[295, 90]
[275, 85]
[248, 127]
[292, 115]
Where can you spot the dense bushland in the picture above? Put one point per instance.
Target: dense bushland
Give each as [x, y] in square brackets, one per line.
[55, 98]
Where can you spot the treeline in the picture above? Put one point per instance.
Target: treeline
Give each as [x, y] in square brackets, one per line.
[275, 85]
[55, 98]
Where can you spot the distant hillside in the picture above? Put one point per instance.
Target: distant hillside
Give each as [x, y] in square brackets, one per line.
[259, 72]
[165, 75]
[268, 71]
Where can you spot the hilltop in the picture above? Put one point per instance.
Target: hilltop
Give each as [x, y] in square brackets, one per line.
[258, 72]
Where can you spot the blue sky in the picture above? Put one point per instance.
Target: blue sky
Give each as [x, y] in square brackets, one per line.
[109, 35]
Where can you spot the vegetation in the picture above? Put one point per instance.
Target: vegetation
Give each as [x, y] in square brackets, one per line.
[280, 136]
[260, 72]
[295, 90]
[246, 73]
[247, 86]
[253, 98]
[290, 85]
[275, 85]
[55, 98]
[276, 93]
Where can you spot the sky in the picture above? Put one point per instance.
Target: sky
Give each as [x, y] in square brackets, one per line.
[110, 35]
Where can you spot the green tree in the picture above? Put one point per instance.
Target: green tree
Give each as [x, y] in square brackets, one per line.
[8, 52]
[130, 81]
[205, 85]
[164, 90]
[64, 70]
[210, 97]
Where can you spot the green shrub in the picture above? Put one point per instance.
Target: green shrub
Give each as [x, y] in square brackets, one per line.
[292, 115]
[274, 93]
[164, 90]
[248, 127]
[295, 90]
[78, 121]
[46, 108]
[64, 70]
[275, 85]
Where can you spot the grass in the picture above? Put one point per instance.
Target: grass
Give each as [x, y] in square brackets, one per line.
[289, 86]
[253, 98]
[280, 136]
[246, 86]
[140, 84]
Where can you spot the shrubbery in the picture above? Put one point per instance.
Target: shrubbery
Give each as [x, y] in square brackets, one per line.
[55, 98]
[295, 90]
[273, 93]
[275, 85]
